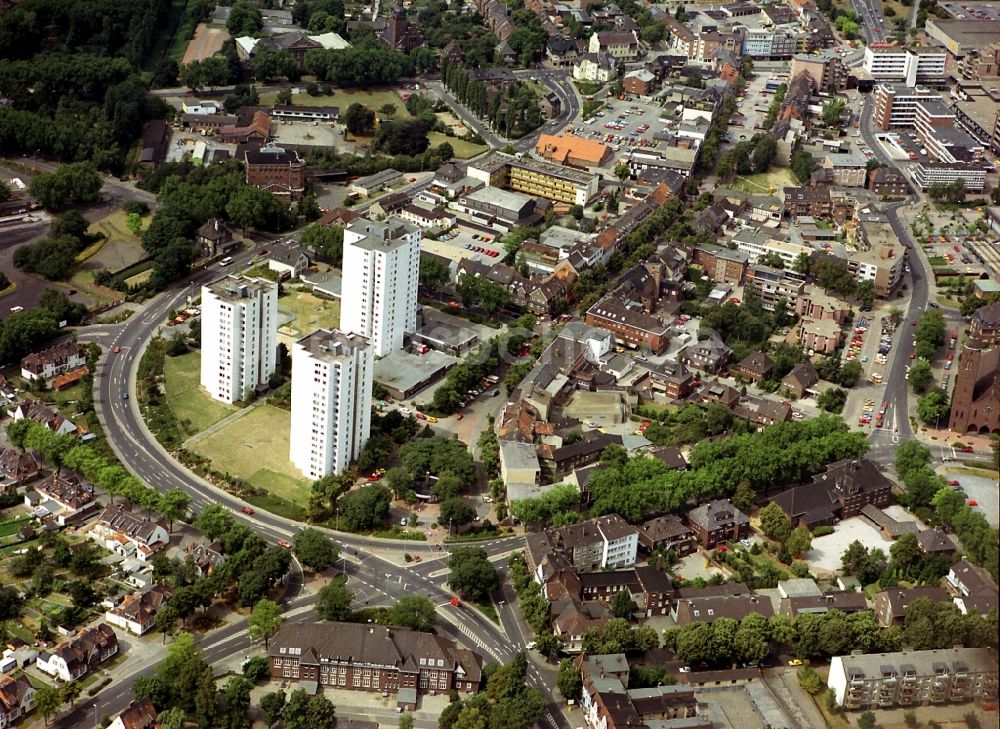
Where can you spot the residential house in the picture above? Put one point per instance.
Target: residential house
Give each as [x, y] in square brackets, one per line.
[213, 238]
[718, 521]
[722, 265]
[289, 259]
[629, 323]
[708, 355]
[812, 201]
[838, 493]
[935, 541]
[814, 303]
[137, 613]
[601, 543]
[756, 367]
[887, 181]
[985, 324]
[17, 698]
[890, 605]
[666, 532]
[595, 67]
[205, 557]
[800, 380]
[63, 495]
[18, 467]
[560, 51]
[124, 533]
[56, 360]
[571, 619]
[770, 411]
[671, 457]
[639, 82]
[822, 336]
[76, 658]
[724, 394]
[623, 45]
[140, 714]
[974, 589]
[845, 601]
[709, 609]
[549, 103]
[373, 658]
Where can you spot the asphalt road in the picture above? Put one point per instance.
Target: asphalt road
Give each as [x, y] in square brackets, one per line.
[29, 286]
[144, 457]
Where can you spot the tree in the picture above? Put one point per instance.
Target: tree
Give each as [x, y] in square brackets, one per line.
[214, 521]
[172, 718]
[5, 191]
[251, 207]
[774, 522]
[568, 680]
[215, 71]
[920, 376]
[256, 669]
[416, 612]
[621, 605]
[803, 165]
[365, 508]
[264, 620]
[191, 76]
[832, 111]
[70, 692]
[456, 511]
[472, 573]
[166, 620]
[387, 110]
[273, 706]
[905, 552]
[72, 184]
[933, 407]
[867, 719]
[832, 400]
[314, 550]
[333, 602]
[47, 701]
[244, 19]
[850, 373]
[174, 505]
[910, 455]
[359, 119]
[799, 541]
[328, 241]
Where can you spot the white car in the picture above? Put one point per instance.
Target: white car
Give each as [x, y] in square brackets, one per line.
[405, 411]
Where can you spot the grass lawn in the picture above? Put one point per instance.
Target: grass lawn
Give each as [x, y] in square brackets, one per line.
[194, 409]
[304, 313]
[65, 401]
[937, 260]
[11, 527]
[777, 178]
[374, 99]
[254, 447]
[463, 149]
[588, 88]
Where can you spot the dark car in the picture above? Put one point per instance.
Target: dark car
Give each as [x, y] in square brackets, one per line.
[124, 395]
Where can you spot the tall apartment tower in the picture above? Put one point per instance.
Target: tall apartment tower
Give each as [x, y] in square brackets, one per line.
[238, 336]
[331, 401]
[380, 277]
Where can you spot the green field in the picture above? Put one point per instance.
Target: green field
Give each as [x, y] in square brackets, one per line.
[762, 183]
[374, 99]
[254, 447]
[305, 313]
[463, 149]
[194, 409]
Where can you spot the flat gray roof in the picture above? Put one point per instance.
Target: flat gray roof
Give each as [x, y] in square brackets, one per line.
[404, 371]
[329, 345]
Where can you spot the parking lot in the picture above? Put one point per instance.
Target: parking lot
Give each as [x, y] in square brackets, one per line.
[624, 125]
[463, 242]
[825, 555]
[958, 253]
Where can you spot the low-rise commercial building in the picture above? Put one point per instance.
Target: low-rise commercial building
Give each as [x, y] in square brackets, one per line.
[535, 177]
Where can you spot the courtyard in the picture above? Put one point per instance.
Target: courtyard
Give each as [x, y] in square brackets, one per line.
[301, 313]
[826, 552]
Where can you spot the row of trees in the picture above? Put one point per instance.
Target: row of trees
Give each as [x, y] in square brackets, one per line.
[363, 64]
[512, 110]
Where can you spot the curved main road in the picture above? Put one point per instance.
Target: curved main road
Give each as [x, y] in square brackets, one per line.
[148, 460]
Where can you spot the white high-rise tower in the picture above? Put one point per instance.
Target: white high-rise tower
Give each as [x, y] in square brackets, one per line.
[381, 273]
[331, 401]
[238, 336]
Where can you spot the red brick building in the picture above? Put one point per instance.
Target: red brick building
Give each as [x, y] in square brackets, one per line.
[276, 170]
[374, 658]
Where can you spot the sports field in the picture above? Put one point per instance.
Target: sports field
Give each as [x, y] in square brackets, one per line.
[766, 182]
[194, 409]
[254, 447]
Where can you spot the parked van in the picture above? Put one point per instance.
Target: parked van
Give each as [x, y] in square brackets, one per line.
[226, 261]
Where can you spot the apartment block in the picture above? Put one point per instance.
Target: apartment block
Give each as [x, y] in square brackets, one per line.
[331, 401]
[607, 542]
[238, 336]
[896, 104]
[381, 275]
[913, 678]
[889, 62]
[534, 177]
[879, 257]
[927, 174]
[827, 70]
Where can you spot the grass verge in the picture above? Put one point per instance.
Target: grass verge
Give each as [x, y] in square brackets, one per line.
[194, 409]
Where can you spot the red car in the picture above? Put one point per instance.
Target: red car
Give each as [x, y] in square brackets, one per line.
[455, 602]
[913, 355]
[413, 179]
[247, 510]
[117, 350]
[972, 502]
[284, 543]
[953, 483]
[459, 416]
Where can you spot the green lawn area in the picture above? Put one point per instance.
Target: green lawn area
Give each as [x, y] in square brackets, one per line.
[372, 98]
[937, 260]
[194, 409]
[588, 88]
[254, 447]
[463, 149]
[776, 178]
[65, 401]
[11, 527]
[304, 313]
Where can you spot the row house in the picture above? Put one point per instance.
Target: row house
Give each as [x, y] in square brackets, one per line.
[76, 658]
[140, 714]
[975, 591]
[709, 609]
[813, 201]
[205, 557]
[373, 658]
[666, 532]
[596, 544]
[128, 535]
[55, 360]
[137, 613]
